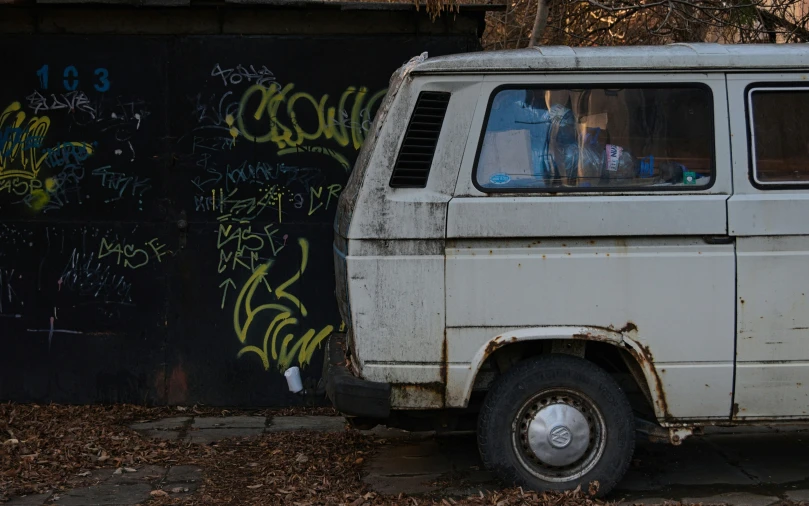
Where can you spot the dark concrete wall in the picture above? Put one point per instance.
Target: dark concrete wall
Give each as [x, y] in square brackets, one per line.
[167, 192]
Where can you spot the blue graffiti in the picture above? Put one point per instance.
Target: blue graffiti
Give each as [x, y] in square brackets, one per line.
[66, 153]
[14, 138]
[104, 83]
[71, 78]
[71, 85]
[42, 74]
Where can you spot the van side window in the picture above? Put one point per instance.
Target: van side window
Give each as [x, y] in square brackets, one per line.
[597, 138]
[779, 132]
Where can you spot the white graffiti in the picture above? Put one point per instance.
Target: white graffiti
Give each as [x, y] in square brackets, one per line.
[72, 101]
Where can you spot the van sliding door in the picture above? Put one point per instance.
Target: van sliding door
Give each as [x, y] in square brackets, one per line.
[601, 201]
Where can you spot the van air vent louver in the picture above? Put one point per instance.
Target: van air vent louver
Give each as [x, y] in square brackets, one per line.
[416, 154]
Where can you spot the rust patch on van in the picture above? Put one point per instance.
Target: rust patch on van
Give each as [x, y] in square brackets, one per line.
[432, 394]
[735, 410]
[646, 360]
[608, 332]
[497, 343]
[593, 337]
[418, 395]
[433, 387]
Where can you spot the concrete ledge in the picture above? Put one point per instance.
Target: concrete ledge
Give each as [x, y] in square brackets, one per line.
[155, 3]
[314, 423]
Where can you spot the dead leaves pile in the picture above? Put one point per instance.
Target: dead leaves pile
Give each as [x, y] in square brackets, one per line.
[306, 468]
[42, 447]
[52, 447]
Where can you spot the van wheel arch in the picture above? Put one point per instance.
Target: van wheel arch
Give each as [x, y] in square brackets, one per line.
[615, 359]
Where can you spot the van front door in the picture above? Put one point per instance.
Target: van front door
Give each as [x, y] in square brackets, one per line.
[768, 215]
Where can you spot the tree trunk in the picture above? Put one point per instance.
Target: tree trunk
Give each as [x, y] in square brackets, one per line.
[539, 23]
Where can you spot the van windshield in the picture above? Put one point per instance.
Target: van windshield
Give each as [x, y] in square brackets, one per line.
[598, 138]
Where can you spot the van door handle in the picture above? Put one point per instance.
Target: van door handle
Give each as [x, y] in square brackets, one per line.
[718, 239]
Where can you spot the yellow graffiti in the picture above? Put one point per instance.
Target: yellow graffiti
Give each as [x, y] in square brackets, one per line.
[316, 195]
[23, 147]
[20, 144]
[274, 199]
[40, 199]
[335, 123]
[245, 244]
[233, 131]
[291, 348]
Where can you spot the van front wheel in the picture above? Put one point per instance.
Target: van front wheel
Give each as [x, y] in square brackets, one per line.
[555, 422]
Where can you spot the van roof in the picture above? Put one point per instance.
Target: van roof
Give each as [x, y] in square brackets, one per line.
[697, 56]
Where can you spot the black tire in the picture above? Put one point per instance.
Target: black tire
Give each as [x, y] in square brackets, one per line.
[565, 382]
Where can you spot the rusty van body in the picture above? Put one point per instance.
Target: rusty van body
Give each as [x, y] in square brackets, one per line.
[563, 246]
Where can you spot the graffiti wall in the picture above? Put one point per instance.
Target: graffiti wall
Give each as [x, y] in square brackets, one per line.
[166, 210]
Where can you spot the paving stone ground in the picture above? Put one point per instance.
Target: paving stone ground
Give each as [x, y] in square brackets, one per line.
[755, 466]
[115, 487]
[749, 467]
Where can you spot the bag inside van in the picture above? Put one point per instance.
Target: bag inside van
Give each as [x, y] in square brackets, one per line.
[597, 138]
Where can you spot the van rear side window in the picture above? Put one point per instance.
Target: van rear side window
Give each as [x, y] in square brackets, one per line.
[597, 139]
[779, 133]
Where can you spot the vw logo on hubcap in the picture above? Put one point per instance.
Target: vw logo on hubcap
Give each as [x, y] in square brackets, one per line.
[559, 436]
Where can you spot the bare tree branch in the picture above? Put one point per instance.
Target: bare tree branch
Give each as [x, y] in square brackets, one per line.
[606, 22]
[769, 17]
[540, 21]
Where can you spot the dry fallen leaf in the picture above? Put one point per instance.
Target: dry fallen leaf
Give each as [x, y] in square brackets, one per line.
[158, 493]
[259, 485]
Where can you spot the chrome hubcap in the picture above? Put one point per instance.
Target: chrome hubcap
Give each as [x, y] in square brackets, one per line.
[559, 435]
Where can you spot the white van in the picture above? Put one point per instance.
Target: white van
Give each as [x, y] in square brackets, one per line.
[565, 246]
